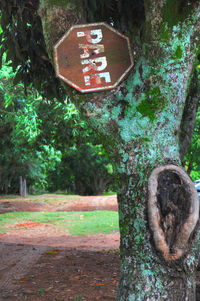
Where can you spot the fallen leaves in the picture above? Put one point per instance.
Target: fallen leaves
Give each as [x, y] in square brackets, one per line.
[100, 284]
[53, 252]
[66, 274]
[24, 279]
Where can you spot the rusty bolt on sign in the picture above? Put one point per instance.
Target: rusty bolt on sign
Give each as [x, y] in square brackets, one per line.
[93, 57]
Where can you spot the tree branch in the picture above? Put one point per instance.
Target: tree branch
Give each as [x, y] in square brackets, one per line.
[162, 16]
[153, 11]
[6, 112]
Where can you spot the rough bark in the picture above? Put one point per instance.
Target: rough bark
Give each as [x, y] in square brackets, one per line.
[140, 123]
[147, 273]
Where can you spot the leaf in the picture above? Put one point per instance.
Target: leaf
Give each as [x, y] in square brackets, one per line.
[51, 252]
[24, 279]
[41, 291]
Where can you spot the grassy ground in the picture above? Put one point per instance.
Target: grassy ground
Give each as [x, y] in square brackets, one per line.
[76, 223]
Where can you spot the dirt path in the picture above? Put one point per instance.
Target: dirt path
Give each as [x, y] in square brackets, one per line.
[42, 263]
[47, 236]
[59, 203]
[16, 260]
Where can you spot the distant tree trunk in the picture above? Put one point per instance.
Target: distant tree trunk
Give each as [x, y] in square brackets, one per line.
[100, 183]
[23, 187]
[140, 125]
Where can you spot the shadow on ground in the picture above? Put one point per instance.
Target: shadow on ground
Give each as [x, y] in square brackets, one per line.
[57, 274]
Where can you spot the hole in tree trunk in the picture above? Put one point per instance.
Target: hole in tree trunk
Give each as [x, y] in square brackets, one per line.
[173, 210]
[174, 203]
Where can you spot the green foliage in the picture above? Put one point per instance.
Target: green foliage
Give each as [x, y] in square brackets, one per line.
[175, 11]
[41, 291]
[85, 169]
[79, 298]
[47, 143]
[192, 158]
[23, 42]
[198, 69]
[20, 129]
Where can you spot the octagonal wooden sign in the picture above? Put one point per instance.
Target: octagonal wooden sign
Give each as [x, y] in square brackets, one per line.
[93, 57]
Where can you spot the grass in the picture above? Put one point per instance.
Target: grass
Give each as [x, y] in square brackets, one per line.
[8, 196]
[76, 223]
[109, 193]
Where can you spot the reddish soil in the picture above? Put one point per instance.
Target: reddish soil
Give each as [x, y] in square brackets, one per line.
[27, 225]
[41, 263]
[60, 203]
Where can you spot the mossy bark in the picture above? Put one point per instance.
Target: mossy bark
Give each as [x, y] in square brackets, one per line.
[140, 124]
[145, 274]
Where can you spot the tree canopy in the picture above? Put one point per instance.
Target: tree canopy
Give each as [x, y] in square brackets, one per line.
[47, 142]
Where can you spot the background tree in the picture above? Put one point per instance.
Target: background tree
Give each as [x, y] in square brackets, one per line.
[85, 169]
[47, 143]
[141, 124]
[20, 127]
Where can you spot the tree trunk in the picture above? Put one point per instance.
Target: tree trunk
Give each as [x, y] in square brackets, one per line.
[158, 254]
[140, 125]
[23, 187]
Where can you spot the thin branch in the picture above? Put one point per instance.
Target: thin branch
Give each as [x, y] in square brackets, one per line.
[6, 112]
